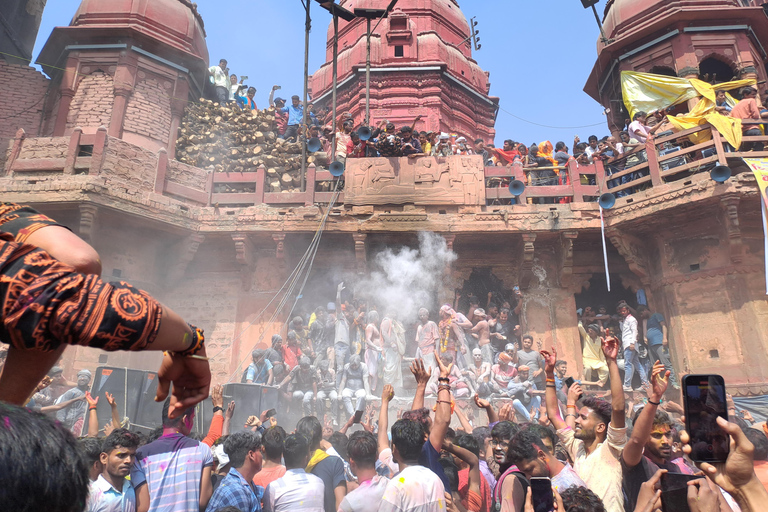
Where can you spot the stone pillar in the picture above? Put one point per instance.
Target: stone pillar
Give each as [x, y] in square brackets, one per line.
[361, 257]
[88, 222]
[125, 79]
[67, 92]
[178, 104]
[690, 72]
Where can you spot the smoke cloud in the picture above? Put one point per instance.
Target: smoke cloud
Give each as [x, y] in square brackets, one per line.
[406, 279]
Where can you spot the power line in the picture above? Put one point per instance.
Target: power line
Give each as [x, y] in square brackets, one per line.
[547, 126]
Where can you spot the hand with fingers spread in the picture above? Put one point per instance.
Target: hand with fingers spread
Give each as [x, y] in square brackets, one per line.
[110, 399]
[445, 371]
[109, 427]
[507, 413]
[610, 346]
[230, 410]
[550, 358]
[191, 377]
[217, 396]
[421, 374]
[92, 402]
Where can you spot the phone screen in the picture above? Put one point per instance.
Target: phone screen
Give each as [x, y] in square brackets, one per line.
[271, 413]
[358, 416]
[674, 492]
[541, 494]
[704, 401]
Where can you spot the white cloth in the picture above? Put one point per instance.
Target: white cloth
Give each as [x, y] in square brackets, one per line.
[601, 469]
[102, 497]
[414, 489]
[220, 78]
[367, 497]
[296, 491]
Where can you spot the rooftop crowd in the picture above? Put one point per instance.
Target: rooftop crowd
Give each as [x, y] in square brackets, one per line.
[600, 444]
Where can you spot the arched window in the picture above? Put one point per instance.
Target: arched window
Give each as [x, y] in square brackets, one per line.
[715, 69]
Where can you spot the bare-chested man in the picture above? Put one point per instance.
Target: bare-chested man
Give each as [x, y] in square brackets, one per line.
[482, 333]
[479, 372]
[426, 338]
[373, 348]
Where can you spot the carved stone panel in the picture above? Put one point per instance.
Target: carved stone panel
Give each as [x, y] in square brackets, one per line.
[455, 180]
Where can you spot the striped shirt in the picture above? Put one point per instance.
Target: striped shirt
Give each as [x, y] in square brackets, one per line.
[296, 491]
[172, 467]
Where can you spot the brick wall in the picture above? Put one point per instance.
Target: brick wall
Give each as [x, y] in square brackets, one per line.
[92, 105]
[149, 111]
[22, 96]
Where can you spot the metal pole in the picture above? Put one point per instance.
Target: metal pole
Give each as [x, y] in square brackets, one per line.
[335, 73]
[600, 25]
[368, 78]
[307, 28]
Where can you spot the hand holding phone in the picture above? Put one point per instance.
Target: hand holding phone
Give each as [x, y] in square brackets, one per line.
[358, 417]
[704, 401]
[543, 499]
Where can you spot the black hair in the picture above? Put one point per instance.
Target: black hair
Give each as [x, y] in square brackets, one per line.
[90, 448]
[638, 114]
[273, 442]
[405, 129]
[120, 437]
[295, 97]
[543, 432]
[524, 446]
[339, 441]
[480, 434]
[173, 422]
[363, 449]
[592, 137]
[238, 445]
[408, 438]
[504, 430]
[154, 435]
[450, 434]
[310, 427]
[581, 499]
[560, 146]
[510, 141]
[559, 362]
[660, 418]
[758, 439]
[527, 337]
[468, 442]
[747, 90]
[641, 308]
[451, 472]
[478, 141]
[601, 408]
[295, 450]
[421, 416]
[44, 468]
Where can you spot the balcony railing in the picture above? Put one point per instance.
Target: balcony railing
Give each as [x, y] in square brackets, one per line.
[661, 160]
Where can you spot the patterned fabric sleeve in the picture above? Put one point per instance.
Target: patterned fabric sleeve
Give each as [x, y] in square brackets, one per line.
[46, 303]
[21, 221]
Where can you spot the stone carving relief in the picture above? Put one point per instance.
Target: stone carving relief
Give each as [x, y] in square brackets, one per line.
[456, 180]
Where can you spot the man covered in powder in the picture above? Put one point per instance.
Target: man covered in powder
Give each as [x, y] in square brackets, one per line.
[73, 416]
[482, 333]
[426, 337]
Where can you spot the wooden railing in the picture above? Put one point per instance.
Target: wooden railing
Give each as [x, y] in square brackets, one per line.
[651, 165]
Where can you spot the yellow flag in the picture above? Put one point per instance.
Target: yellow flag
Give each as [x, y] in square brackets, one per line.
[759, 168]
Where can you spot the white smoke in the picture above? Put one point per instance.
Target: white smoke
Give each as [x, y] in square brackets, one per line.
[405, 279]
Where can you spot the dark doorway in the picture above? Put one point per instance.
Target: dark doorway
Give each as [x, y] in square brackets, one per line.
[598, 294]
[663, 70]
[715, 71]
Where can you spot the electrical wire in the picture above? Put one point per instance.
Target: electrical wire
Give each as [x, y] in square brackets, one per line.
[552, 127]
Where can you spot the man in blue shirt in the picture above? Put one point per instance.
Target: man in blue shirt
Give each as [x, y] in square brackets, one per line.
[655, 329]
[237, 488]
[260, 370]
[112, 492]
[295, 117]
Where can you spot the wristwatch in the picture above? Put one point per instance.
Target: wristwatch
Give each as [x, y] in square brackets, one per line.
[217, 408]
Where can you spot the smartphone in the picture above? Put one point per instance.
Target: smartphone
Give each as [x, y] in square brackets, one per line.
[358, 416]
[271, 413]
[674, 492]
[704, 400]
[541, 494]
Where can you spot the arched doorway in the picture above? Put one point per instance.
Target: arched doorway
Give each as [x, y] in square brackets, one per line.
[715, 69]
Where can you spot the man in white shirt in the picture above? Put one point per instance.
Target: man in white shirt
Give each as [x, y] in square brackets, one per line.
[595, 434]
[220, 81]
[415, 487]
[112, 492]
[629, 340]
[297, 490]
[362, 450]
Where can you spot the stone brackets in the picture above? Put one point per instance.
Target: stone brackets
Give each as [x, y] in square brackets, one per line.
[454, 180]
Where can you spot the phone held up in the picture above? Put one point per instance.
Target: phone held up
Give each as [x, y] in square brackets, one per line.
[542, 497]
[568, 381]
[704, 400]
[674, 492]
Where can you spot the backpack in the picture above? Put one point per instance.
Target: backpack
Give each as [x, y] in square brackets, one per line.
[512, 470]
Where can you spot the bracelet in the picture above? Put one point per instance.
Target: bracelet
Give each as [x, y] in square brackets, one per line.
[571, 406]
[443, 379]
[198, 342]
[92, 408]
[551, 386]
[570, 414]
[442, 401]
[654, 403]
[551, 380]
[443, 387]
[217, 408]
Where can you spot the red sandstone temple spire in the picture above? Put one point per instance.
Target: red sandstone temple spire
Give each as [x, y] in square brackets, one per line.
[421, 64]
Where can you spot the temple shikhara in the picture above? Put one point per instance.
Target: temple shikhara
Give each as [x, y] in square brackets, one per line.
[205, 208]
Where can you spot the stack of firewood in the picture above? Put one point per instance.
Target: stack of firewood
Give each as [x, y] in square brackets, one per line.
[227, 139]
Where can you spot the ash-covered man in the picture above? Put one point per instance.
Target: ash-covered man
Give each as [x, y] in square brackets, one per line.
[304, 380]
[326, 388]
[479, 373]
[354, 383]
[73, 416]
[426, 338]
[344, 318]
[482, 333]
[451, 332]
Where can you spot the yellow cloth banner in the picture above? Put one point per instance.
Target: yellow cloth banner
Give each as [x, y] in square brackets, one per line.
[649, 92]
[759, 168]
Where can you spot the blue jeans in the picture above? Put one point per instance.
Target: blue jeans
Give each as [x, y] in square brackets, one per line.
[632, 363]
[523, 410]
[658, 353]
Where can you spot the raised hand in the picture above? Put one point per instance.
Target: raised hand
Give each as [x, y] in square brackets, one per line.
[109, 427]
[110, 399]
[574, 392]
[230, 409]
[481, 402]
[659, 382]
[252, 421]
[217, 396]
[420, 373]
[507, 413]
[549, 361]
[610, 345]
[92, 402]
[44, 383]
[445, 371]
[388, 393]
[191, 377]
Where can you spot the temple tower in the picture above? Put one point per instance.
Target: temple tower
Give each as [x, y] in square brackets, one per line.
[128, 65]
[422, 64]
[714, 40]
